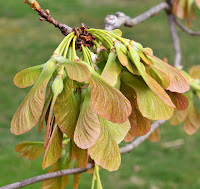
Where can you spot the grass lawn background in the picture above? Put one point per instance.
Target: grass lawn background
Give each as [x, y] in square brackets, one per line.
[25, 41]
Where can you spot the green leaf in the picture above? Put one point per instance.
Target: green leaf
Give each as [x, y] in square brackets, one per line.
[77, 71]
[30, 150]
[105, 152]
[54, 148]
[88, 126]
[132, 68]
[29, 112]
[28, 77]
[112, 69]
[107, 101]
[66, 110]
[144, 57]
[155, 87]
[150, 105]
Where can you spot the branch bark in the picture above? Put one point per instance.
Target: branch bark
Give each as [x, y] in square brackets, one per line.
[116, 21]
[141, 139]
[123, 150]
[187, 30]
[175, 40]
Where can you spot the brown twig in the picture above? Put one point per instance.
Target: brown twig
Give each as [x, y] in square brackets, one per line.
[185, 29]
[123, 150]
[116, 21]
[45, 16]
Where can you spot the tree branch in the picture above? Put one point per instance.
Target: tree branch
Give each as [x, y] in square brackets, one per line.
[116, 21]
[45, 16]
[175, 40]
[187, 30]
[141, 139]
[123, 150]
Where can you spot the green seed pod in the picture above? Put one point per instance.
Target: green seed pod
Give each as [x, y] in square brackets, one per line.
[57, 86]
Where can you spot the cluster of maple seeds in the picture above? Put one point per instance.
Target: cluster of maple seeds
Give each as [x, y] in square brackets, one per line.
[105, 93]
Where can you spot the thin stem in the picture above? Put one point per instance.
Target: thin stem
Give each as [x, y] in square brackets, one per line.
[96, 168]
[86, 59]
[74, 56]
[93, 180]
[45, 16]
[185, 29]
[60, 48]
[67, 46]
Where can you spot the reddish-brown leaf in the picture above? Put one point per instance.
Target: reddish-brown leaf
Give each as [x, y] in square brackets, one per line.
[155, 135]
[107, 101]
[180, 101]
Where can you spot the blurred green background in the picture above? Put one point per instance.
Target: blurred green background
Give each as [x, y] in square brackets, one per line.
[25, 41]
